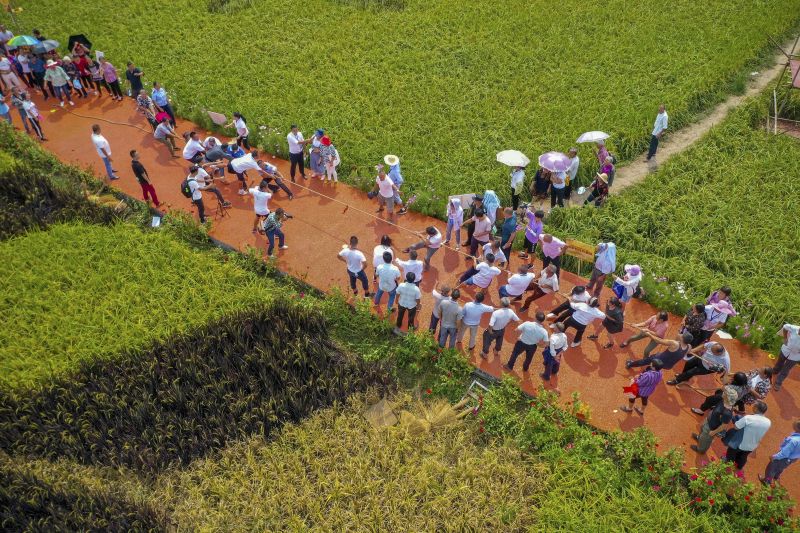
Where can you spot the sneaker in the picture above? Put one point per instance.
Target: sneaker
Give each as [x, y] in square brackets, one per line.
[672, 382]
[114, 177]
[71, 103]
[61, 104]
[628, 363]
[242, 192]
[697, 411]
[508, 367]
[284, 247]
[402, 211]
[695, 448]
[695, 436]
[458, 247]
[550, 315]
[523, 309]
[575, 344]
[226, 204]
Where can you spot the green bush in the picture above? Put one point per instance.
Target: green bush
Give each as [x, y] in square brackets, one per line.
[176, 400]
[722, 213]
[444, 85]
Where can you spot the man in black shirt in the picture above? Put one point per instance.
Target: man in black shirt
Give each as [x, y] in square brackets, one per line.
[716, 421]
[134, 76]
[148, 191]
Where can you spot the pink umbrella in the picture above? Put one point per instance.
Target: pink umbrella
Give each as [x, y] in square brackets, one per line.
[554, 161]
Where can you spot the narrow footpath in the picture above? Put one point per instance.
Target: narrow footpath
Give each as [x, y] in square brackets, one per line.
[327, 215]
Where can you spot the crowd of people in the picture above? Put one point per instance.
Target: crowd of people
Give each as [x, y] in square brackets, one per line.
[491, 234]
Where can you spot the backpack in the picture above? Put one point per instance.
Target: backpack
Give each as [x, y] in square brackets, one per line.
[186, 190]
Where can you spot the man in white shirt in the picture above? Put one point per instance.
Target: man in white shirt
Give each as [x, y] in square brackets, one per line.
[296, 146]
[473, 311]
[583, 315]
[413, 265]
[790, 353]
[517, 284]
[206, 182]
[5, 36]
[497, 326]
[408, 297]
[709, 358]
[754, 428]
[659, 127]
[517, 184]
[197, 184]
[103, 150]
[260, 203]
[10, 78]
[547, 284]
[482, 275]
[450, 314]
[531, 334]
[572, 171]
[493, 247]
[482, 230]
[194, 150]
[386, 191]
[432, 240]
[165, 133]
[558, 185]
[387, 275]
[552, 354]
[355, 265]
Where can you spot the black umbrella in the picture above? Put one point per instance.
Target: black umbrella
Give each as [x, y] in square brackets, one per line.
[80, 38]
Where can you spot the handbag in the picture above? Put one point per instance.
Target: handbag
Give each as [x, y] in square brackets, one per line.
[632, 390]
[733, 438]
[618, 288]
[77, 84]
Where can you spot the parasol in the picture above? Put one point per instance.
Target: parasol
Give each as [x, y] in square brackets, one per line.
[80, 38]
[513, 158]
[46, 46]
[23, 40]
[554, 161]
[593, 137]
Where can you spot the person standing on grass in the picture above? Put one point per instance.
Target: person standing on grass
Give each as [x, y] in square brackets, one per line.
[477, 203]
[408, 301]
[386, 191]
[356, 262]
[111, 78]
[517, 185]
[148, 191]
[508, 232]
[788, 453]
[609, 170]
[161, 99]
[314, 160]
[547, 284]
[599, 192]
[659, 127]
[709, 358]
[18, 102]
[693, 323]
[56, 75]
[431, 240]
[558, 185]
[144, 104]
[438, 295]
[629, 282]
[104, 151]
[165, 134]
[455, 219]
[497, 327]
[473, 311]
[716, 315]
[412, 265]
[32, 112]
[605, 264]
[134, 76]
[572, 171]
[482, 231]
[387, 275]
[552, 251]
[612, 323]
[517, 284]
[329, 159]
[532, 232]
[296, 147]
[531, 334]
[602, 151]
[720, 295]
[451, 315]
[242, 131]
[657, 325]
[675, 351]
[272, 228]
[552, 354]
[482, 275]
[790, 353]
[261, 198]
[583, 315]
[753, 427]
[393, 162]
[642, 387]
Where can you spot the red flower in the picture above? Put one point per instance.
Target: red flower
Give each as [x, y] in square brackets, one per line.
[594, 433]
[693, 477]
[650, 467]
[780, 521]
[769, 498]
[698, 499]
[481, 429]
[428, 391]
[656, 488]
[747, 498]
[302, 295]
[710, 501]
[709, 482]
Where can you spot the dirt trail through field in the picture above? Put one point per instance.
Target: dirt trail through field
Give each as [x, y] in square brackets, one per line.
[682, 139]
[325, 217]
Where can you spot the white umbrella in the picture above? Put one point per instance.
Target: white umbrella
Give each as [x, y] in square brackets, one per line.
[554, 161]
[593, 136]
[513, 158]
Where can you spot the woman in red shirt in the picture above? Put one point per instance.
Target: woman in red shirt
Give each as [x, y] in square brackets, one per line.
[82, 64]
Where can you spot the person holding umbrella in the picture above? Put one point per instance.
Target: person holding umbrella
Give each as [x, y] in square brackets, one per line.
[557, 163]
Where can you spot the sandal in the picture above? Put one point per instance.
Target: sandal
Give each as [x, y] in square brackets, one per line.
[638, 411]
[608, 345]
[593, 337]
[625, 408]
[623, 344]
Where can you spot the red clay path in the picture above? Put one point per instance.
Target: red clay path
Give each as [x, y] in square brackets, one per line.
[321, 226]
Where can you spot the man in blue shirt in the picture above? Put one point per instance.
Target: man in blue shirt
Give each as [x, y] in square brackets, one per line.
[393, 162]
[507, 232]
[788, 454]
[659, 127]
[160, 98]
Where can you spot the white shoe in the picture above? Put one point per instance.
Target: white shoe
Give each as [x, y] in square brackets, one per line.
[61, 104]
[284, 247]
[549, 315]
[575, 344]
[242, 192]
[71, 103]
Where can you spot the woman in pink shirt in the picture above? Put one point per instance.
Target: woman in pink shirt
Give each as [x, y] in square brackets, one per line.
[657, 325]
[111, 78]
